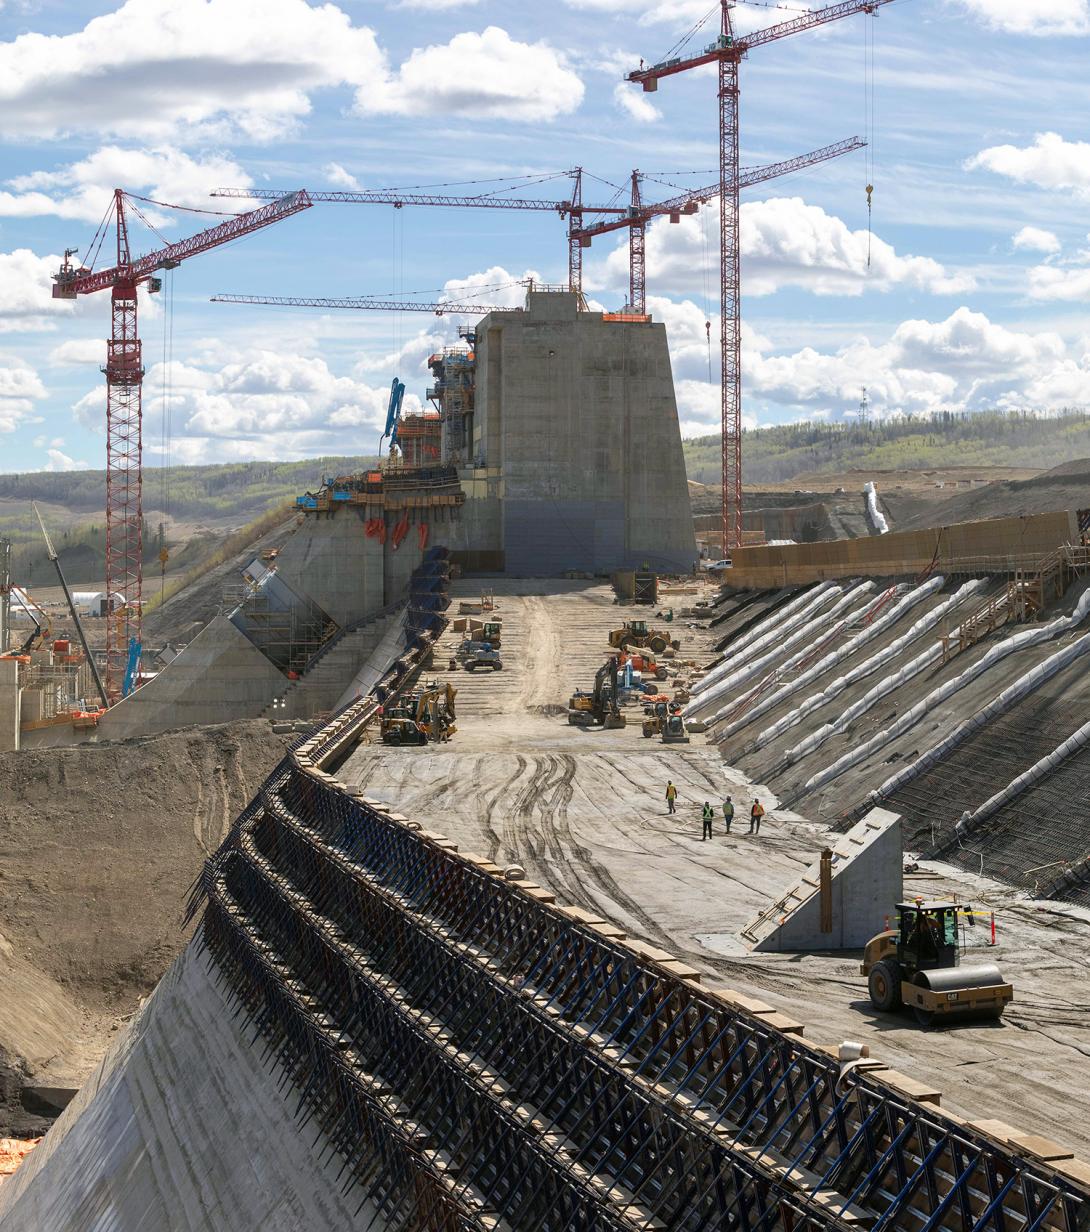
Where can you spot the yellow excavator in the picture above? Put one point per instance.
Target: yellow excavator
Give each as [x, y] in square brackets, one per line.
[918, 965]
[422, 716]
[599, 707]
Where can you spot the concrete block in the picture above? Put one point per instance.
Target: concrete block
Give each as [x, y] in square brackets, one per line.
[866, 883]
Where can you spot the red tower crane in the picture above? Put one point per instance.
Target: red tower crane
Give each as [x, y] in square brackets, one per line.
[573, 209]
[640, 213]
[361, 302]
[727, 52]
[124, 372]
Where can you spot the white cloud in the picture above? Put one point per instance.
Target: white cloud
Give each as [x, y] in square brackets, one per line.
[264, 404]
[635, 104]
[785, 243]
[210, 69]
[26, 292]
[496, 287]
[79, 351]
[1040, 17]
[82, 190]
[339, 178]
[153, 68]
[1050, 282]
[963, 363]
[685, 13]
[20, 389]
[1050, 162]
[59, 461]
[1036, 239]
[482, 75]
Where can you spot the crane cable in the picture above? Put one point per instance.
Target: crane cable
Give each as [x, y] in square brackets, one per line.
[870, 119]
[706, 271]
[165, 429]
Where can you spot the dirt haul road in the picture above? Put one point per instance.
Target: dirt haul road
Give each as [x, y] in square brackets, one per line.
[583, 812]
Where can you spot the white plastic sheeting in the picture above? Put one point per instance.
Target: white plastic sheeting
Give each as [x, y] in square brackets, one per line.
[726, 690]
[767, 631]
[875, 516]
[886, 685]
[1039, 770]
[1000, 704]
[877, 626]
[1020, 641]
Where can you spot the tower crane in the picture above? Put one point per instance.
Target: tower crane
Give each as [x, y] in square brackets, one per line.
[364, 302]
[573, 209]
[640, 213]
[124, 371]
[727, 52]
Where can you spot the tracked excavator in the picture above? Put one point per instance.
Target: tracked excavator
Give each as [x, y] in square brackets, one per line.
[599, 707]
[918, 966]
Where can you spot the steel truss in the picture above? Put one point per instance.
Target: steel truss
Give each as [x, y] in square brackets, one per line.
[561, 1080]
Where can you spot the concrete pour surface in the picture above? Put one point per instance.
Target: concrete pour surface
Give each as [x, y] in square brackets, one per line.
[584, 813]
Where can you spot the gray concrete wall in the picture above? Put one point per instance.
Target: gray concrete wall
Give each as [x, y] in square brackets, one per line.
[330, 559]
[576, 416]
[220, 676]
[867, 883]
[183, 1128]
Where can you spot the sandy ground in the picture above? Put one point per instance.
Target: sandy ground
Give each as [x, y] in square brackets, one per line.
[583, 812]
[99, 846]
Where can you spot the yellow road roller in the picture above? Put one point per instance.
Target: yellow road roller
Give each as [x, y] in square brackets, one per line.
[918, 966]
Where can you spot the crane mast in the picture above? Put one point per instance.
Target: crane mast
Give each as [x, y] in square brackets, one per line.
[124, 372]
[727, 52]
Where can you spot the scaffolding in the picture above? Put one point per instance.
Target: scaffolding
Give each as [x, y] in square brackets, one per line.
[288, 628]
[455, 374]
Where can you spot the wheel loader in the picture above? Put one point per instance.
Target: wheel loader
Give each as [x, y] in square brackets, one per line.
[918, 966]
[639, 633]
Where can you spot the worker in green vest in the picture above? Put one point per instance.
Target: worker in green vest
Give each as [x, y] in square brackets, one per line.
[728, 813]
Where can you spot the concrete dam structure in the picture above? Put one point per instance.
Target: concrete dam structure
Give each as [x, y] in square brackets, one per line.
[564, 427]
[295, 635]
[375, 1029]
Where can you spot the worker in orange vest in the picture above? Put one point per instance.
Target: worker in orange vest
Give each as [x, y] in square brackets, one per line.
[755, 815]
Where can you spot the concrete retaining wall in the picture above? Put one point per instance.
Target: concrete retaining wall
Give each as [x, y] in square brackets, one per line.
[1021, 541]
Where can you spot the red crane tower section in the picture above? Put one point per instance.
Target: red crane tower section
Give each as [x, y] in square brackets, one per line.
[728, 51]
[124, 372]
[641, 214]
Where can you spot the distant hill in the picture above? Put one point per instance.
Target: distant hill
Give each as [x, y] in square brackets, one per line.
[203, 505]
[777, 455]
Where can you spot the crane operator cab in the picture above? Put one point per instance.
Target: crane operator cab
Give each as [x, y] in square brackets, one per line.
[918, 965]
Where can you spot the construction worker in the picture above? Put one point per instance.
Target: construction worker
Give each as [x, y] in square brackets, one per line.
[728, 812]
[755, 815]
[671, 796]
[709, 816]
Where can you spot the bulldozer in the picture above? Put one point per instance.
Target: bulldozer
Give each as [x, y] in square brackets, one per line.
[598, 707]
[639, 633]
[918, 965]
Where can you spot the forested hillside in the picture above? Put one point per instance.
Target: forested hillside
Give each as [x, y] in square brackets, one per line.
[777, 455]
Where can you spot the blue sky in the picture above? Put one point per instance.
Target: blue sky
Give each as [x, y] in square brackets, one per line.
[975, 295]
